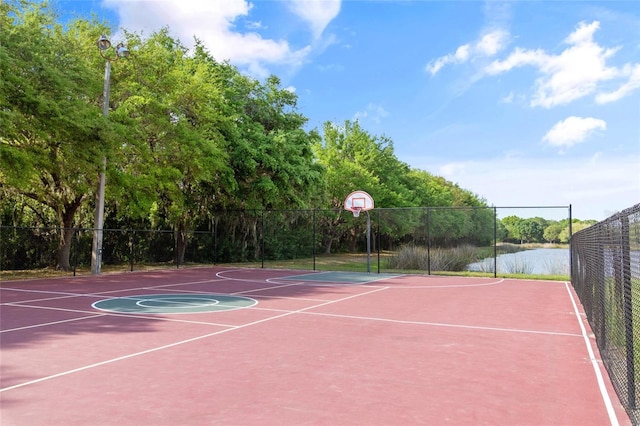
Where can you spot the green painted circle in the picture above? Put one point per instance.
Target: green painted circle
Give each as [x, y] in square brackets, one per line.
[174, 303]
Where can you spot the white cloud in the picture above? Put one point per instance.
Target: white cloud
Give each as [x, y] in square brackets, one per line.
[595, 186]
[518, 58]
[255, 25]
[575, 72]
[374, 112]
[462, 53]
[216, 24]
[488, 45]
[318, 13]
[508, 99]
[632, 84]
[453, 169]
[573, 130]
[491, 43]
[330, 68]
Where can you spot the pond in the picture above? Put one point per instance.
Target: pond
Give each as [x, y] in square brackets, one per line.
[542, 261]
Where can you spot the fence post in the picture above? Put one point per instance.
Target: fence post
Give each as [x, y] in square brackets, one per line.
[75, 251]
[214, 229]
[175, 248]
[131, 249]
[495, 242]
[570, 243]
[628, 309]
[313, 241]
[428, 241]
[262, 236]
[379, 241]
[598, 299]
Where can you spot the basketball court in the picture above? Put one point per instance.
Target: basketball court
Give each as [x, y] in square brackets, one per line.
[229, 346]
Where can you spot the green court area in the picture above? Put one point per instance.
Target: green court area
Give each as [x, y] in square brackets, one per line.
[174, 303]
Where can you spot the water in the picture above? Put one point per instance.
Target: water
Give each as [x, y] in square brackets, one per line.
[543, 261]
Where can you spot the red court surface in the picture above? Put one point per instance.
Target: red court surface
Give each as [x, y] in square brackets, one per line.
[402, 350]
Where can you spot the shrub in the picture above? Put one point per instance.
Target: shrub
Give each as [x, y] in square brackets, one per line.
[557, 267]
[417, 257]
[409, 258]
[517, 266]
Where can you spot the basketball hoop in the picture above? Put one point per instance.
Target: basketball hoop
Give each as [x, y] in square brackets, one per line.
[356, 211]
[358, 201]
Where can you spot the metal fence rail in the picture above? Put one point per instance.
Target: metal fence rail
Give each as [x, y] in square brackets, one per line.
[413, 240]
[605, 272]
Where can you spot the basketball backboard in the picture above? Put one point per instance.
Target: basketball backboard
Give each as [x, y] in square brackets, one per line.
[358, 201]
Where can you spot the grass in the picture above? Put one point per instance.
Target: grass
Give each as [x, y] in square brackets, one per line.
[13, 275]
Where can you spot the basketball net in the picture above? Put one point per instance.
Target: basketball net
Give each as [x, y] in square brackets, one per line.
[356, 211]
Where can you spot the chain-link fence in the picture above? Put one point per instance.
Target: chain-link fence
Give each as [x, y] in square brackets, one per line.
[410, 240]
[605, 272]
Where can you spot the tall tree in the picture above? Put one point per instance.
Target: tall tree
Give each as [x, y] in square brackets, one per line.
[51, 132]
[272, 158]
[357, 160]
[179, 167]
[530, 230]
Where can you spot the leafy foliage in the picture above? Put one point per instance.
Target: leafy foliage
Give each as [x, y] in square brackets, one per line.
[539, 230]
[51, 130]
[194, 146]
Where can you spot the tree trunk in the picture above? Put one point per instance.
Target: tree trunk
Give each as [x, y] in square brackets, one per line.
[67, 233]
[64, 248]
[327, 245]
[353, 240]
[254, 238]
[181, 245]
[332, 233]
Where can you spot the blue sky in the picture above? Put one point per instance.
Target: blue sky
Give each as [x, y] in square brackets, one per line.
[532, 103]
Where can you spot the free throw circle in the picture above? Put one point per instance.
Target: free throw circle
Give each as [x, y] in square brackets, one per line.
[174, 303]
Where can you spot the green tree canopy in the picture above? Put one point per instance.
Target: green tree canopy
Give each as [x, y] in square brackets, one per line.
[51, 133]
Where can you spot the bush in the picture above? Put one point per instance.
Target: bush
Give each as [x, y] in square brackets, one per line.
[409, 258]
[417, 258]
[517, 266]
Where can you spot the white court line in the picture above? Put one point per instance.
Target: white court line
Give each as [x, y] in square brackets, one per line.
[100, 294]
[321, 283]
[239, 292]
[258, 290]
[220, 274]
[262, 296]
[209, 280]
[51, 323]
[500, 281]
[439, 324]
[145, 297]
[109, 361]
[266, 288]
[314, 283]
[594, 362]
[60, 295]
[270, 281]
[121, 314]
[273, 280]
